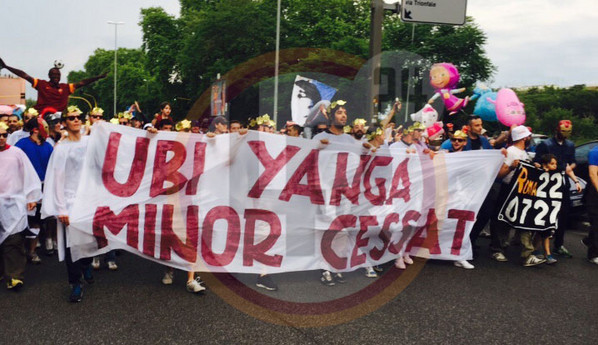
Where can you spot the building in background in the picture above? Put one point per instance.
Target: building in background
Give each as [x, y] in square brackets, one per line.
[12, 90]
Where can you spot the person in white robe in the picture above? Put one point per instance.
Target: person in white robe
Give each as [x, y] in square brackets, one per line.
[62, 179]
[20, 190]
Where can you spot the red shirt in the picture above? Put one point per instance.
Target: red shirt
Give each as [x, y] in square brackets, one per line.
[49, 96]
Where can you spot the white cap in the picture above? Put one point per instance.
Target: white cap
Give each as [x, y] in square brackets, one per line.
[520, 132]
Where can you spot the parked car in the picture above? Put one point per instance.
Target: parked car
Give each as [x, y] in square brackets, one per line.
[581, 156]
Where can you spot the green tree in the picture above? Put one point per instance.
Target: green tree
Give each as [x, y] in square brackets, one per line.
[135, 83]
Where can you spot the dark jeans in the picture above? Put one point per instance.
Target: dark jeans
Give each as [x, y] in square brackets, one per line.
[486, 213]
[13, 259]
[75, 269]
[499, 231]
[592, 208]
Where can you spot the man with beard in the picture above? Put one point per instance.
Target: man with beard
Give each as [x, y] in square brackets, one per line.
[19, 191]
[38, 151]
[15, 136]
[13, 124]
[337, 117]
[358, 130]
[564, 151]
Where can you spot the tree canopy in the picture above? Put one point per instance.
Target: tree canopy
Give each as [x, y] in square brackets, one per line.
[180, 57]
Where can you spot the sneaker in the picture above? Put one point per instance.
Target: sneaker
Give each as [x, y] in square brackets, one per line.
[266, 282]
[76, 293]
[95, 263]
[594, 260]
[370, 273]
[112, 266]
[49, 247]
[500, 257]
[326, 278]
[562, 251]
[35, 259]
[408, 260]
[194, 286]
[463, 264]
[168, 277]
[339, 278]
[14, 284]
[378, 268]
[533, 260]
[400, 264]
[550, 260]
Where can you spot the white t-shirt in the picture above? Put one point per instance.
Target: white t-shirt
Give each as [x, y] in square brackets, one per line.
[342, 138]
[513, 154]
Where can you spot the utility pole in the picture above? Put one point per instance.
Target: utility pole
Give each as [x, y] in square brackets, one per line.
[377, 16]
[116, 24]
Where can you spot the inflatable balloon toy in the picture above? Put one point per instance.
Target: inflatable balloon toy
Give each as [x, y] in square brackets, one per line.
[427, 116]
[483, 107]
[509, 110]
[444, 78]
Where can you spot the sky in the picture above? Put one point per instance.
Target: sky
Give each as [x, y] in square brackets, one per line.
[531, 42]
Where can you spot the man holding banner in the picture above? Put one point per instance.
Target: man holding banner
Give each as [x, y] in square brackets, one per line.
[516, 153]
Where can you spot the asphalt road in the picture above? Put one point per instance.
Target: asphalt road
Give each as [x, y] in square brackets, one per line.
[497, 303]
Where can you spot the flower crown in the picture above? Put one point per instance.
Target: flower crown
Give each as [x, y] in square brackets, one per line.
[3, 126]
[359, 122]
[182, 125]
[32, 112]
[334, 104]
[376, 133]
[73, 109]
[97, 111]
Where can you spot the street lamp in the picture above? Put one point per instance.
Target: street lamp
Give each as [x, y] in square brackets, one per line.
[116, 24]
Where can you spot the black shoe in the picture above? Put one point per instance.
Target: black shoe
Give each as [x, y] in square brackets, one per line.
[326, 278]
[266, 282]
[76, 293]
[585, 241]
[88, 275]
[339, 278]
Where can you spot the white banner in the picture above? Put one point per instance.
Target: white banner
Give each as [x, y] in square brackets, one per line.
[266, 203]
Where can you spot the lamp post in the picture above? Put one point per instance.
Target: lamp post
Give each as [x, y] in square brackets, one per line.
[116, 24]
[276, 64]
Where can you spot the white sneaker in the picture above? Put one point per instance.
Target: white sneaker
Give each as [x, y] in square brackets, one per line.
[407, 259]
[95, 263]
[464, 264]
[194, 286]
[594, 260]
[112, 266]
[49, 245]
[400, 264]
[370, 273]
[168, 277]
[500, 257]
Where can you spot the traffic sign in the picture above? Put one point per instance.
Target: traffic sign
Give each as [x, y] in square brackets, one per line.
[450, 12]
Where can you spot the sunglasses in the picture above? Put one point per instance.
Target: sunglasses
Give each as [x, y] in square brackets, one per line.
[459, 140]
[3, 135]
[97, 117]
[73, 118]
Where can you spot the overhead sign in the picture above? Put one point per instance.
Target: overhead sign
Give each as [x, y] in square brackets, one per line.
[450, 12]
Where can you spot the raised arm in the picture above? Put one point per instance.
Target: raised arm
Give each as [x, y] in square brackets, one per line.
[88, 81]
[18, 72]
[396, 107]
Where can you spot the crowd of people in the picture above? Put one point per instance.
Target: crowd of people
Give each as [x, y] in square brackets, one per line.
[42, 155]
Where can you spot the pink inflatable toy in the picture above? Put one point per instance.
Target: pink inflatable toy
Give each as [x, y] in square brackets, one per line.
[444, 78]
[509, 110]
